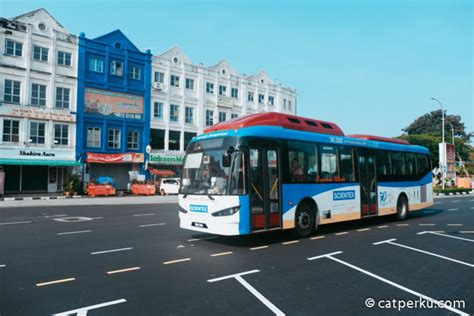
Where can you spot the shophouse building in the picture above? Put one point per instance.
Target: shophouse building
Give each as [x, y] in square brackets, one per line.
[38, 84]
[113, 113]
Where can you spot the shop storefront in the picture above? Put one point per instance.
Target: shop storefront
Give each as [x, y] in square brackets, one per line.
[166, 163]
[36, 171]
[115, 166]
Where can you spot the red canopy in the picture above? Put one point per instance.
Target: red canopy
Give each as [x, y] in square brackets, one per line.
[161, 172]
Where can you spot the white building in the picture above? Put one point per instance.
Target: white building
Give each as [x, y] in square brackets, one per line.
[186, 98]
[38, 85]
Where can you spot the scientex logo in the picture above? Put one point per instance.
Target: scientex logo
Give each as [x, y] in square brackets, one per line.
[198, 208]
[343, 195]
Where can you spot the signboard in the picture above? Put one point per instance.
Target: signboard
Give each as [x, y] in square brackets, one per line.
[36, 113]
[42, 154]
[115, 158]
[447, 159]
[166, 158]
[111, 103]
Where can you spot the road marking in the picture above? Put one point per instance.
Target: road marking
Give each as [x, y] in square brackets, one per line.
[257, 294]
[149, 225]
[259, 248]
[383, 226]
[341, 233]
[454, 224]
[73, 219]
[363, 229]
[426, 224]
[55, 282]
[83, 310]
[453, 209]
[472, 207]
[147, 214]
[177, 261]
[2, 265]
[123, 270]
[290, 242]
[14, 223]
[375, 276]
[98, 217]
[222, 254]
[449, 236]
[317, 237]
[203, 238]
[113, 250]
[467, 231]
[403, 224]
[391, 241]
[76, 232]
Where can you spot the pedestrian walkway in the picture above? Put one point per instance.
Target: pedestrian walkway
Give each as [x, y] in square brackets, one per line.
[84, 200]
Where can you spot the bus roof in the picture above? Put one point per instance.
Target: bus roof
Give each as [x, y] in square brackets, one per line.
[278, 119]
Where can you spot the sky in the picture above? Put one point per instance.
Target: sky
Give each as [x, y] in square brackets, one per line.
[369, 66]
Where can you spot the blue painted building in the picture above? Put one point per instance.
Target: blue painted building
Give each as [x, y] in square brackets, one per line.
[113, 107]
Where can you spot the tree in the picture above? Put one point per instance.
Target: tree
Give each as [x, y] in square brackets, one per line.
[431, 123]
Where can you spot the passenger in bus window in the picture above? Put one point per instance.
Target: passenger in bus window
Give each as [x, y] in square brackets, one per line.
[296, 171]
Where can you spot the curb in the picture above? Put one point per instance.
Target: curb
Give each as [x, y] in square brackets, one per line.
[31, 198]
[451, 194]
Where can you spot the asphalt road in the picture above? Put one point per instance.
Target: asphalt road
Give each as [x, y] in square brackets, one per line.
[135, 260]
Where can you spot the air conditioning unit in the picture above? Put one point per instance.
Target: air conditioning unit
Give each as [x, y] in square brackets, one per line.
[158, 86]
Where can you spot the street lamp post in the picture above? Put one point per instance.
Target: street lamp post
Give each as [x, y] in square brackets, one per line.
[444, 147]
[452, 131]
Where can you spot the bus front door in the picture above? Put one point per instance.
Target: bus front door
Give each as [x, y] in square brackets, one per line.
[368, 184]
[264, 188]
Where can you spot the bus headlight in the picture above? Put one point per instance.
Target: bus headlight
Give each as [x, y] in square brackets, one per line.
[182, 210]
[227, 211]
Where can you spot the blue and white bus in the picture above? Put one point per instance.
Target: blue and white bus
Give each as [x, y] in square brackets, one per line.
[274, 171]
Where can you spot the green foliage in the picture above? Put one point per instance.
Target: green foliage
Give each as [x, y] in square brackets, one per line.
[72, 184]
[431, 123]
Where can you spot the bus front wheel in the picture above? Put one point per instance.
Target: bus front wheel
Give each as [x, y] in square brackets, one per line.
[304, 221]
[402, 208]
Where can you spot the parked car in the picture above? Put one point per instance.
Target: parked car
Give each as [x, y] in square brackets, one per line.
[169, 186]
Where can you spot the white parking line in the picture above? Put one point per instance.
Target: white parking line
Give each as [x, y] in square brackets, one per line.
[401, 287]
[466, 231]
[341, 233]
[76, 232]
[123, 270]
[83, 310]
[259, 248]
[290, 242]
[222, 254]
[14, 223]
[391, 241]
[177, 261]
[112, 250]
[454, 224]
[403, 224]
[147, 214]
[149, 225]
[449, 236]
[257, 294]
[383, 226]
[317, 237]
[55, 282]
[2, 265]
[363, 229]
[203, 238]
[453, 209]
[426, 224]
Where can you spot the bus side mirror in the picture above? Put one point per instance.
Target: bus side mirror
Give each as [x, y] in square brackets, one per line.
[226, 156]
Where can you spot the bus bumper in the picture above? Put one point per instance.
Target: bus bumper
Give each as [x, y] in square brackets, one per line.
[226, 226]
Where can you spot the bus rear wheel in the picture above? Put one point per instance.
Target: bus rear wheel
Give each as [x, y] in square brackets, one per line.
[304, 221]
[402, 208]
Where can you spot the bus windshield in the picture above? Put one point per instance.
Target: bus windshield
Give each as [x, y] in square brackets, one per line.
[209, 169]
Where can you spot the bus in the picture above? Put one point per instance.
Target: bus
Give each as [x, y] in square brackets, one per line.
[274, 171]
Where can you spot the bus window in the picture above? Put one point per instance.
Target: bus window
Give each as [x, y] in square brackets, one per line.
[303, 162]
[384, 165]
[328, 163]
[346, 165]
[423, 164]
[411, 164]
[398, 164]
[237, 180]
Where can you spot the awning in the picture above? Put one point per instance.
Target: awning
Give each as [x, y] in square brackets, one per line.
[161, 172]
[37, 162]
